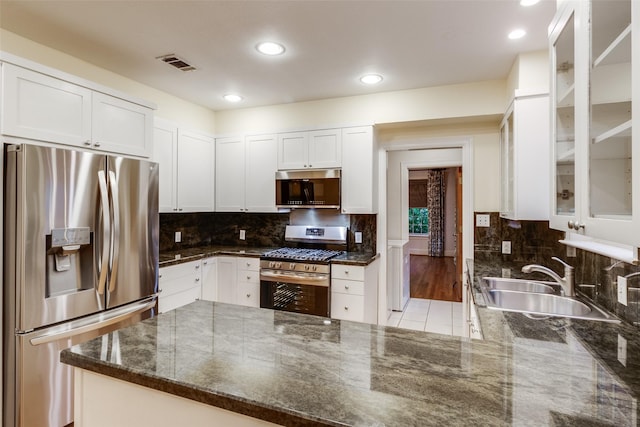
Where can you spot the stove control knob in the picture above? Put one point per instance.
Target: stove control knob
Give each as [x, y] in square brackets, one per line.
[271, 264]
[292, 266]
[306, 267]
[278, 264]
[315, 267]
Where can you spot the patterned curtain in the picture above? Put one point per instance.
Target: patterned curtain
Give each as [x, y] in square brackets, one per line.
[435, 204]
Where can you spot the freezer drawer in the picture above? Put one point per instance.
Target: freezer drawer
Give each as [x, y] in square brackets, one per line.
[44, 396]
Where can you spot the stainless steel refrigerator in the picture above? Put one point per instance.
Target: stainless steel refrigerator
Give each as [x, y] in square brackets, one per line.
[80, 259]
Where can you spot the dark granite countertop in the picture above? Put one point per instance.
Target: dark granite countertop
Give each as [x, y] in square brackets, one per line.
[168, 258]
[296, 369]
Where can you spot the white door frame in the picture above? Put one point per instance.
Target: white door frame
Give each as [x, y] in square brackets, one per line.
[463, 142]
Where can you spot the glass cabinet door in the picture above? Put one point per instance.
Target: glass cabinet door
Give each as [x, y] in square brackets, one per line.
[610, 126]
[563, 57]
[507, 207]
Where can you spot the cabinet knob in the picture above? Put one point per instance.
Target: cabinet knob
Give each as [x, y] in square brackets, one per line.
[160, 276]
[87, 142]
[205, 262]
[346, 286]
[175, 209]
[248, 264]
[346, 272]
[310, 166]
[197, 279]
[97, 144]
[248, 295]
[346, 307]
[248, 277]
[197, 266]
[180, 209]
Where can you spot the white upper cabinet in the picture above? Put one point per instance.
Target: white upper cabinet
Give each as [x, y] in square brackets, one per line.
[186, 162]
[119, 126]
[245, 174]
[46, 108]
[594, 48]
[165, 153]
[359, 171]
[230, 174]
[195, 181]
[260, 176]
[40, 107]
[318, 149]
[524, 151]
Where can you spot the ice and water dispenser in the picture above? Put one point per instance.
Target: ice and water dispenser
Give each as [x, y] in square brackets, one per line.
[69, 260]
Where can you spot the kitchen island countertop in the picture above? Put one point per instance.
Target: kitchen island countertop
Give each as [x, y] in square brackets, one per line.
[295, 369]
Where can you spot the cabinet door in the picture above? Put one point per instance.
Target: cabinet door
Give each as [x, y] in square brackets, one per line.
[120, 126]
[165, 145]
[359, 171]
[40, 107]
[260, 172]
[293, 150]
[209, 279]
[607, 211]
[507, 208]
[325, 148]
[566, 66]
[195, 172]
[230, 174]
[227, 279]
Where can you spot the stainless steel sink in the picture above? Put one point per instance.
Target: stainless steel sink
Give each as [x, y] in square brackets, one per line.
[542, 305]
[521, 285]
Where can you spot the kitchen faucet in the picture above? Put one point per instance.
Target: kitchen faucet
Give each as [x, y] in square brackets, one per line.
[566, 282]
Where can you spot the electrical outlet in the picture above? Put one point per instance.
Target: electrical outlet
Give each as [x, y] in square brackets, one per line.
[482, 220]
[506, 247]
[622, 350]
[243, 235]
[622, 290]
[571, 252]
[506, 272]
[178, 237]
[358, 236]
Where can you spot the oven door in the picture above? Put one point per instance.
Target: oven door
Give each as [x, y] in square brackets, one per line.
[310, 296]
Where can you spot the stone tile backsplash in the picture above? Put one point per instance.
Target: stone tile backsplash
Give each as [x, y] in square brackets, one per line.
[534, 242]
[262, 230]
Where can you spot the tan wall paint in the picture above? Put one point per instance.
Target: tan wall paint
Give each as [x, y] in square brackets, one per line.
[464, 100]
[168, 106]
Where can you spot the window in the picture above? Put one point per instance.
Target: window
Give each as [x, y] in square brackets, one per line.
[418, 221]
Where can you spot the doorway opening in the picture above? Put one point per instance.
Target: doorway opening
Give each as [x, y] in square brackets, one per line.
[435, 249]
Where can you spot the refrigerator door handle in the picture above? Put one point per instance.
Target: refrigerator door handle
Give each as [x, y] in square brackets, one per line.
[93, 322]
[115, 205]
[104, 200]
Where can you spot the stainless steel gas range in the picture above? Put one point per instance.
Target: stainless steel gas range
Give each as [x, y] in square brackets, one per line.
[298, 278]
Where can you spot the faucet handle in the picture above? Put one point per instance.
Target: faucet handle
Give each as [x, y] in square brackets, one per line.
[566, 266]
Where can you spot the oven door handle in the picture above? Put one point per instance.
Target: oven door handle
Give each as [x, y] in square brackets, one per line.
[303, 279]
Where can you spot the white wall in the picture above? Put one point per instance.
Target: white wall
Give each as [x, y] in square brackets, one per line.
[486, 152]
[443, 102]
[530, 71]
[168, 106]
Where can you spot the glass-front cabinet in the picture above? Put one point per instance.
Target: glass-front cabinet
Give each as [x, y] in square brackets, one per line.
[594, 47]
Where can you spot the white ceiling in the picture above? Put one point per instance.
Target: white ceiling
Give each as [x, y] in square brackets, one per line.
[330, 44]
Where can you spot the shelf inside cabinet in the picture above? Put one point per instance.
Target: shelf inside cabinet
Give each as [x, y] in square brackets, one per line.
[566, 97]
[618, 51]
[566, 156]
[622, 130]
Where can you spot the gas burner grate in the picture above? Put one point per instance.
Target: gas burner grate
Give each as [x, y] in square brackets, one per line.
[302, 254]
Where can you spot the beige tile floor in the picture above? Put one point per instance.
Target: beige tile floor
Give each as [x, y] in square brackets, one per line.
[442, 317]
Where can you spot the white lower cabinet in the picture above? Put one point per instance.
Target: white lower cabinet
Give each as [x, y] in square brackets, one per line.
[226, 278]
[179, 285]
[471, 328]
[248, 281]
[354, 292]
[209, 279]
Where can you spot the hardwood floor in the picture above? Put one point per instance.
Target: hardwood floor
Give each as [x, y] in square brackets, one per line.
[434, 278]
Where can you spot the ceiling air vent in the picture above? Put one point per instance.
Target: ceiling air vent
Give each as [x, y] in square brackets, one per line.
[178, 63]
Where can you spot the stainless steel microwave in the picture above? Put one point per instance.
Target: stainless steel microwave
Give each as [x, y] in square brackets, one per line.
[308, 189]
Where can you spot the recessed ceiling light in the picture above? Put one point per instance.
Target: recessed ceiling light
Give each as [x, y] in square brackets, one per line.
[232, 97]
[270, 48]
[517, 34]
[528, 2]
[371, 79]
